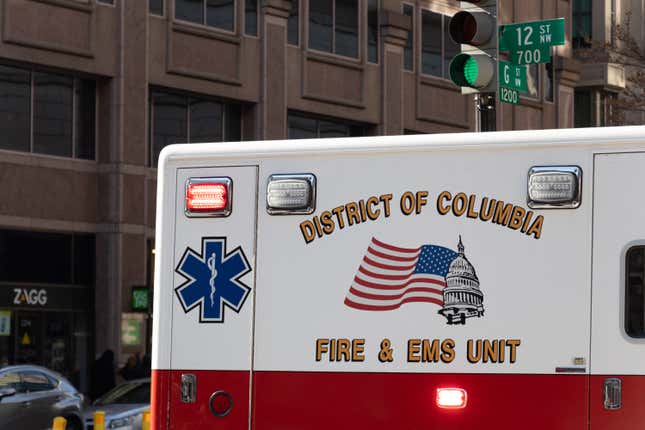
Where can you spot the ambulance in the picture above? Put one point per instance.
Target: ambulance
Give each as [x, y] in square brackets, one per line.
[449, 281]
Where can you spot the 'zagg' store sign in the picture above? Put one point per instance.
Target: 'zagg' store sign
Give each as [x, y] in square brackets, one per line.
[45, 297]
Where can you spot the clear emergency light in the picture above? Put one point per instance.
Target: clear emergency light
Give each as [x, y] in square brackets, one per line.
[291, 194]
[451, 398]
[554, 187]
[209, 197]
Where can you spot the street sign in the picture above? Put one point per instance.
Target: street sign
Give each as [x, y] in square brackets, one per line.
[531, 35]
[507, 95]
[512, 77]
[538, 55]
[531, 42]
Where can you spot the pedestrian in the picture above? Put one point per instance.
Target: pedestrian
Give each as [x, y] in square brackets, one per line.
[103, 377]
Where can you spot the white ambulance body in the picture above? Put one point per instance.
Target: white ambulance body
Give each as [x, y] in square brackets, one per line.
[490, 281]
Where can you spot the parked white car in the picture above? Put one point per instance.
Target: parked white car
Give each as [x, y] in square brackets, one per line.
[123, 406]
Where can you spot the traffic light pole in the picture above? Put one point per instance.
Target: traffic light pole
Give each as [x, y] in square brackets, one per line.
[485, 112]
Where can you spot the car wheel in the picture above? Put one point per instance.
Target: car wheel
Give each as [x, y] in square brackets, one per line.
[73, 423]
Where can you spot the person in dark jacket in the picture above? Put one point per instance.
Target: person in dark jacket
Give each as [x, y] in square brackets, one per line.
[103, 377]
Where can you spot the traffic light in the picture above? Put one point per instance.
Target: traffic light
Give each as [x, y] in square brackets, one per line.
[474, 69]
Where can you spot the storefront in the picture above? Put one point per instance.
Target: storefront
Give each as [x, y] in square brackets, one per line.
[47, 323]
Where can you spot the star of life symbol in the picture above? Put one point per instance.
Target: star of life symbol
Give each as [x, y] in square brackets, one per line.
[212, 279]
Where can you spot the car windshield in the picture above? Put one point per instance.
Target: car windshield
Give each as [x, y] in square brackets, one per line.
[132, 392]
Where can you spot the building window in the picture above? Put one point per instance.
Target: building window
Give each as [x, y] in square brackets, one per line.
[635, 292]
[333, 26]
[581, 13]
[47, 113]
[155, 7]
[533, 81]
[582, 111]
[106, 1]
[293, 23]
[408, 57]
[214, 13]
[437, 46]
[251, 17]
[176, 118]
[549, 83]
[372, 31]
[307, 127]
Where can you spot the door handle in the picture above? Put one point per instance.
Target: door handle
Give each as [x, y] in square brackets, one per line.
[613, 394]
[188, 388]
[26, 404]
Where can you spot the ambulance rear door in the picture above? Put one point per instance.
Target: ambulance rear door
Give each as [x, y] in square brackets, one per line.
[618, 313]
[212, 308]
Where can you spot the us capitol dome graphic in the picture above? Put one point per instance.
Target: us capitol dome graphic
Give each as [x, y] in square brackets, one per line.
[462, 297]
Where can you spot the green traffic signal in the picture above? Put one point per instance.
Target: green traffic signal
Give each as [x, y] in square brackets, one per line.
[464, 70]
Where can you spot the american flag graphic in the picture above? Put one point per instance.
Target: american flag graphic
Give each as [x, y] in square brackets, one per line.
[390, 276]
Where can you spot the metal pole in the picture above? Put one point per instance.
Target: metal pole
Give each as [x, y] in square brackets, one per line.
[478, 122]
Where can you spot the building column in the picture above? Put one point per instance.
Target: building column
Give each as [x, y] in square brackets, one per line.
[122, 136]
[273, 102]
[567, 74]
[394, 33]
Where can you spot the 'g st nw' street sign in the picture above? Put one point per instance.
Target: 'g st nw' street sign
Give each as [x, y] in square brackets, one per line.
[512, 80]
[512, 76]
[531, 42]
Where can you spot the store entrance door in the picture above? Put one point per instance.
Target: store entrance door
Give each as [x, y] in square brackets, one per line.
[28, 338]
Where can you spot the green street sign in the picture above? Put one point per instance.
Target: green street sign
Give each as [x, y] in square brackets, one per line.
[531, 56]
[531, 35]
[506, 95]
[511, 76]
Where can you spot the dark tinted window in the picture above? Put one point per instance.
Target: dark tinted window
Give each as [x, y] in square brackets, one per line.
[408, 60]
[304, 127]
[156, 7]
[36, 381]
[635, 292]
[581, 13]
[293, 24]
[15, 102]
[321, 25]
[190, 10]
[17, 251]
[127, 393]
[372, 31]
[185, 119]
[85, 137]
[233, 129]
[582, 108]
[220, 13]
[169, 122]
[12, 380]
[84, 258]
[53, 114]
[206, 119]
[70, 258]
[450, 48]
[431, 34]
[346, 31]
[251, 17]
[548, 82]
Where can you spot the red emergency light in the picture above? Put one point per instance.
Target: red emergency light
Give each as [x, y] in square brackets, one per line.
[208, 197]
[451, 398]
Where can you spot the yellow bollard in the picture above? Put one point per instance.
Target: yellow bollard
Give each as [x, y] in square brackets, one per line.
[99, 420]
[145, 421]
[59, 423]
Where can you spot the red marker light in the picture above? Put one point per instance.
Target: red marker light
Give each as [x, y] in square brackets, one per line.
[208, 196]
[451, 398]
